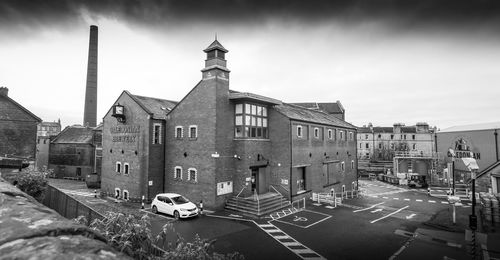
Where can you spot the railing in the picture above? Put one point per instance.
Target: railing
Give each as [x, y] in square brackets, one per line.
[258, 202]
[414, 154]
[303, 200]
[281, 196]
[244, 187]
[283, 193]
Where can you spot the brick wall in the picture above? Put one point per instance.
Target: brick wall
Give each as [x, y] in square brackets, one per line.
[65, 159]
[134, 151]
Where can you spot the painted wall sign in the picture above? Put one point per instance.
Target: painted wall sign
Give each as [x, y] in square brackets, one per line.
[224, 187]
[284, 181]
[124, 139]
[462, 147]
[125, 129]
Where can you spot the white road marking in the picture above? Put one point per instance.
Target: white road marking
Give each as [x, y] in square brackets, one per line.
[385, 197]
[389, 214]
[329, 207]
[407, 199]
[444, 202]
[368, 207]
[377, 210]
[235, 216]
[432, 201]
[395, 198]
[419, 200]
[411, 216]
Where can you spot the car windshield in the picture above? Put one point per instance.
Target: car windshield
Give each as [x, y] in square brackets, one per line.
[180, 200]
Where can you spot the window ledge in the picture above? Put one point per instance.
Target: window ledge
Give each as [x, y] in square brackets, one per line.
[252, 139]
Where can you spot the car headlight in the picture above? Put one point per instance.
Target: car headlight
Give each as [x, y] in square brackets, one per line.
[185, 210]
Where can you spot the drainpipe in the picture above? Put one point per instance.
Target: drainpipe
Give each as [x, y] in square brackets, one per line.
[291, 161]
[496, 144]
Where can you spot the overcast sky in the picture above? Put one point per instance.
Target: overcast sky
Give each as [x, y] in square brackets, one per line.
[425, 61]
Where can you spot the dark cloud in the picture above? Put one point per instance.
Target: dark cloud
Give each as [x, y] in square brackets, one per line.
[417, 13]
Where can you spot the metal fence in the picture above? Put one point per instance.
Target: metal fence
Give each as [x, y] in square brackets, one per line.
[68, 206]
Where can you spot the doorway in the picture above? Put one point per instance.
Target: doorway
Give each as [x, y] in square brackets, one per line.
[258, 180]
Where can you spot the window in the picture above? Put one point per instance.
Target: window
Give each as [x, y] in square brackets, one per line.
[379, 136]
[352, 164]
[351, 136]
[366, 137]
[341, 132]
[379, 146]
[299, 131]
[250, 121]
[118, 167]
[367, 145]
[404, 137]
[156, 133]
[301, 180]
[392, 146]
[125, 168]
[392, 137]
[192, 175]
[117, 193]
[414, 146]
[330, 134]
[193, 131]
[178, 172]
[342, 166]
[316, 132]
[179, 132]
[360, 145]
[125, 195]
[413, 137]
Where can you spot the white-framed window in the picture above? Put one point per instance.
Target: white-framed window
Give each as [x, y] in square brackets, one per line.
[179, 132]
[118, 167]
[330, 134]
[351, 136]
[125, 195]
[117, 193]
[352, 164]
[342, 166]
[126, 168]
[178, 172]
[251, 121]
[316, 132]
[341, 132]
[193, 131]
[156, 133]
[192, 175]
[299, 131]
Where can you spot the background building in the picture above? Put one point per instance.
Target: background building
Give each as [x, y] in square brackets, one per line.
[46, 131]
[18, 128]
[479, 141]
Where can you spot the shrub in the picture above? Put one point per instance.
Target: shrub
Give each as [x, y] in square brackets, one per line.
[32, 182]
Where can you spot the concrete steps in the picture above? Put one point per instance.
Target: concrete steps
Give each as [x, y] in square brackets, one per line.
[266, 204]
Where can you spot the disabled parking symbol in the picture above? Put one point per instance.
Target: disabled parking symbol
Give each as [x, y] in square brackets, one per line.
[297, 218]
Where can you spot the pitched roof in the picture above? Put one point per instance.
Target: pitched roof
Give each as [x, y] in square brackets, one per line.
[9, 116]
[75, 134]
[235, 95]
[329, 107]
[472, 127]
[215, 45]
[314, 116]
[488, 169]
[156, 106]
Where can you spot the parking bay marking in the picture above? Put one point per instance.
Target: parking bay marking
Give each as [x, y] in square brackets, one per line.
[368, 207]
[373, 221]
[377, 210]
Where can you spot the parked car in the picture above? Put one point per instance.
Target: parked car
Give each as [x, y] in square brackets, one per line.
[175, 205]
[417, 181]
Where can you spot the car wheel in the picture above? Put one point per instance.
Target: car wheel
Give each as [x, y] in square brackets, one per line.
[155, 210]
[176, 214]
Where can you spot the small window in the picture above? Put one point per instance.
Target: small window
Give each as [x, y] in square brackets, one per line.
[352, 165]
[379, 136]
[342, 166]
[366, 137]
[392, 146]
[299, 131]
[413, 137]
[404, 137]
[117, 193]
[179, 132]
[178, 173]
[367, 145]
[330, 134]
[316, 132]
[341, 135]
[156, 133]
[125, 195]
[392, 137]
[192, 175]
[414, 146]
[360, 145]
[379, 146]
[118, 167]
[125, 168]
[351, 136]
[193, 131]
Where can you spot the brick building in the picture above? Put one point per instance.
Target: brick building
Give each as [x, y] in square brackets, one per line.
[18, 128]
[46, 131]
[74, 153]
[218, 143]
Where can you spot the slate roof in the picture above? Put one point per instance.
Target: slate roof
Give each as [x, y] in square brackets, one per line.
[472, 127]
[5, 115]
[75, 134]
[330, 107]
[387, 129]
[314, 116]
[156, 106]
[215, 45]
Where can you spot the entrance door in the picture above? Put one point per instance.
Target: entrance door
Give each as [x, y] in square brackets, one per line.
[259, 180]
[255, 178]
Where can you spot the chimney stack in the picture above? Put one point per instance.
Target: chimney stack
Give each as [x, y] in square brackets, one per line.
[4, 91]
[90, 110]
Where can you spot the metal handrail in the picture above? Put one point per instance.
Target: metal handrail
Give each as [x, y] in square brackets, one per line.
[281, 196]
[244, 187]
[258, 202]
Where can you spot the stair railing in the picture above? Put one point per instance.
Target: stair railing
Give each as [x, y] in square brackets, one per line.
[244, 187]
[256, 196]
[281, 196]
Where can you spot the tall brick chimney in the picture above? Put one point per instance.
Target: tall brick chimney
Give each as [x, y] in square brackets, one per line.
[90, 111]
[4, 91]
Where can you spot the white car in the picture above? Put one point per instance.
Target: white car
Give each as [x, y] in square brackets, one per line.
[175, 205]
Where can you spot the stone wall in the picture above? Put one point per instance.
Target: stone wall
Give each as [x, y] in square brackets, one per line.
[32, 231]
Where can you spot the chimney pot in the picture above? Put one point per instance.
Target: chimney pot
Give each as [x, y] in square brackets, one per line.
[4, 91]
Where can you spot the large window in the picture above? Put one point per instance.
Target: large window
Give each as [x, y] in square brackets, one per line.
[251, 121]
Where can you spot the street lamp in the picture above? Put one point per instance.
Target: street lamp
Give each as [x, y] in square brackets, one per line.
[473, 167]
[451, 153]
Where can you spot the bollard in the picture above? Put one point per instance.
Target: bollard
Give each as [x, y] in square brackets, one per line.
[95, 193]
[429, 191]
[201, 207]
[142, 202]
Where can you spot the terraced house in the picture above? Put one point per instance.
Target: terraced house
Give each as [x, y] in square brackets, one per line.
[220, 144]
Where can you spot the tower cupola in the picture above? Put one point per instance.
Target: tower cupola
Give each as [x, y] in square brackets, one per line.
[215, 64]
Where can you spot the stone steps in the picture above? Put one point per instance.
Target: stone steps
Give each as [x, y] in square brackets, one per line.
[267, 204]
